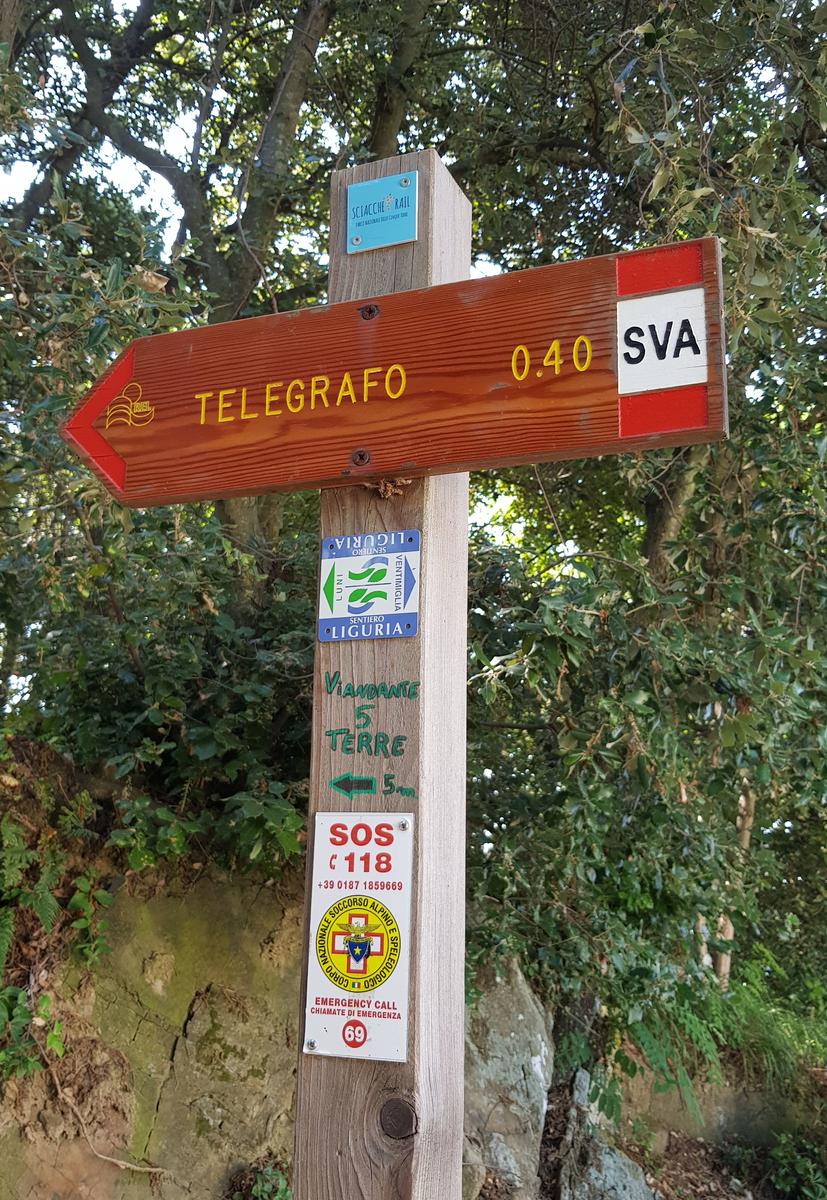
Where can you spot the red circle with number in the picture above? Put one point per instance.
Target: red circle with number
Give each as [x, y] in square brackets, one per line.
[354, 1034]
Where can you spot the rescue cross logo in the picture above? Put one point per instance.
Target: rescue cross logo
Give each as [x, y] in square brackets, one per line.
[358, 943]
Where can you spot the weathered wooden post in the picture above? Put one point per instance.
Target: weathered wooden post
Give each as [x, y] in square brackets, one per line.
[368, 1129]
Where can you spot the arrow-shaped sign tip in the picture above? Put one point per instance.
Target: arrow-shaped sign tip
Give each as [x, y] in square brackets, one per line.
[79, 428]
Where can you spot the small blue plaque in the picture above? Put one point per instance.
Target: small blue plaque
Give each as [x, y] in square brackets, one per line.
[369, 586]
[381, 212]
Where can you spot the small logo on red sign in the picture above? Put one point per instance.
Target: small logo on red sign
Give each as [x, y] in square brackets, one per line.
[354, 1034]
[129, 408]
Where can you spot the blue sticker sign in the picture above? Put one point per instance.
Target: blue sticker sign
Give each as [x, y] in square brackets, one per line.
[381, 212]
[369, 586]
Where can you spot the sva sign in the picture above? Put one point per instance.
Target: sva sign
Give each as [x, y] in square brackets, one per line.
[661, 341]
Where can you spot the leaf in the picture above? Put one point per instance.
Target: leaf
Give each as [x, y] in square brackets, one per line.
[149, 281]
[98, 331]
[54, 1040]
[43, 903]
[6, 936]
[662, 177]
[114, 278]
[203, 750]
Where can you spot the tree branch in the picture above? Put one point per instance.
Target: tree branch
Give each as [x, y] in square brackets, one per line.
[392, 94]
[265, 185]
[126, 51]
[665, 509]
[211, 82]
[184, 183]
[555, 147]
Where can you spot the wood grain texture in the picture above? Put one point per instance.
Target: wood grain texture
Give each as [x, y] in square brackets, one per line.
[341, 1149]
[461, 407]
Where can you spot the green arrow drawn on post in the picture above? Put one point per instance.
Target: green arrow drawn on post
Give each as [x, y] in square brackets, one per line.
[352, 785]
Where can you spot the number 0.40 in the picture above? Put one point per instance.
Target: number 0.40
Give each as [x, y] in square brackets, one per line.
[581, 357]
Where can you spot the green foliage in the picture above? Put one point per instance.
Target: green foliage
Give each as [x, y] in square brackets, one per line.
[799, 1168]
[261, 822]
[42, 902]
[151, 832]
[87, 900]
[572, 1051]
[15, 855]
[606, 1093]
[21, 1054]
[270, 1184]
[18, 1051]
[40, 897]
[6, 936]
[642, 1135]
[185, 702]
[683, 1038]
[775, 1035]
[76, 816]
[262, 1181]
[665, 1059]
[18, 862]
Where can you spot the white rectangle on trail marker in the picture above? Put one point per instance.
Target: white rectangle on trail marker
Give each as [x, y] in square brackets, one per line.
[369, 586]
[661, 341]
[358, 962]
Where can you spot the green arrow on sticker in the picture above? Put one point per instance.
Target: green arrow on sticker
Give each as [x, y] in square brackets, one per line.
[329, 585]
[352, 785]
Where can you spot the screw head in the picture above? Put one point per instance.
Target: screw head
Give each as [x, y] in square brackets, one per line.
[404, 181]
[310, 1044]
[404, 823]
[356, 240]
[360, 458]
[368, 311]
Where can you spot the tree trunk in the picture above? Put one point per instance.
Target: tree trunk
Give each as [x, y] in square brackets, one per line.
[666, 509]
[722, 959]
[393, 92]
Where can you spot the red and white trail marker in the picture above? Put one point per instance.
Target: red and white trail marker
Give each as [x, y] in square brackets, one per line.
[663, 362]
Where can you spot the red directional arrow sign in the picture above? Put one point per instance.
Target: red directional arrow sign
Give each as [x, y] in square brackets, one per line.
[606, 355]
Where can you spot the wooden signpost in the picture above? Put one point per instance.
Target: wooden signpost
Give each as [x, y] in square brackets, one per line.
[410, 377]
[595, 357]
